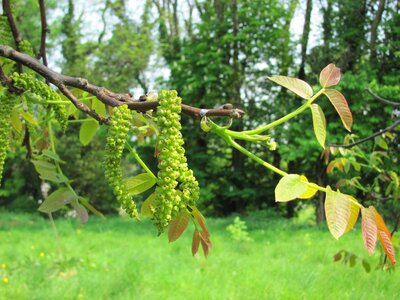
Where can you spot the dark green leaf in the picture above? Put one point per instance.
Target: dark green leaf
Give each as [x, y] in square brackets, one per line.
[57, 200]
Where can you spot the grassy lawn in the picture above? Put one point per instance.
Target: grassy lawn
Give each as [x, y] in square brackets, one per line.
[122, 259]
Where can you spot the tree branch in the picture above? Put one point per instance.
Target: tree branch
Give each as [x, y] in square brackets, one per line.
[390, 128]
[104, 95]
[394, 103]
[45, 30]
[17, 37]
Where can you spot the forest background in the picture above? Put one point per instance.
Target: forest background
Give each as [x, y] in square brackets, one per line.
[217, 52]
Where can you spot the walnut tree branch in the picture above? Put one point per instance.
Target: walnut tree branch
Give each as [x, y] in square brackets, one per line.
[13, 26]
[390, 128]
[45, 30]
[394, 103]
[104, 95]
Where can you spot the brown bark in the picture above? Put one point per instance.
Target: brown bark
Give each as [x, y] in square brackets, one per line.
[304, 39]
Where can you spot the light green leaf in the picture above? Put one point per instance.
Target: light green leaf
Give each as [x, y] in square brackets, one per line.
[99, 107]
[15, 121]
[87, 131]
[29, 118]
[53, 177]
[146, 210]
[140, 183]
[57, 200]
[319, 124]
[341, 106]
[297, 86]
[43, 166]
[338, 212]
[290, 187]
[52, 155]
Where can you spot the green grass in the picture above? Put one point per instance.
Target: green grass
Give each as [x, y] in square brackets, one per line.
[122, 259]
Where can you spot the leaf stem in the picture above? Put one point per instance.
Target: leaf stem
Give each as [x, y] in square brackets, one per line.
[289, 116]
[140, 161]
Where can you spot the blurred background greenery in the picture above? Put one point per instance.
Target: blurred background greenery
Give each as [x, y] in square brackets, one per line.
[216, 52]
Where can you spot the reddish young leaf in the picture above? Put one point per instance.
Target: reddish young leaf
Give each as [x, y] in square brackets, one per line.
[195, 242]
[341, 106]
[329, 76]
[385, 237]
[199, 218]
[205, 242]
[178, 226]
[369, 228]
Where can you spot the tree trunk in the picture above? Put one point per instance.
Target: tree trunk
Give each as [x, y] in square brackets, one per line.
[374, 31]
[304, 39]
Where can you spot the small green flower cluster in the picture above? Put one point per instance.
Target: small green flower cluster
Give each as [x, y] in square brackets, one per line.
[117, 135]
[5, 32]
[35, 86]
[26, 47]
[7, 101]
[177, 187]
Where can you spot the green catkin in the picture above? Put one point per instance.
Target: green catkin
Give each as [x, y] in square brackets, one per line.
[35, 86]
[117, 135]
[26, 47]
[177, 187]
[31, 84]
[7, 102]
[5, 31]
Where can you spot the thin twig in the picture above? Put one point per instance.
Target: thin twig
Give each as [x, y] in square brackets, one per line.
[390, 128]
[45, 30]
[386, 101]
[13, 26]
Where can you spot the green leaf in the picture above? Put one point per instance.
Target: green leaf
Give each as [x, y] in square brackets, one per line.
[85, 202]
[15, 121]
[57, 200]
[43, 166]
[140, 183]
[99, 107]
[319, 124]
[329, 76]
[29, 118]
[297, 86]
[80, 211]
[146, 209]
[53, 177]
[341, 106]
[87, 131]
[178, 226]
[337, 212]
[52, 155]
[290, 187]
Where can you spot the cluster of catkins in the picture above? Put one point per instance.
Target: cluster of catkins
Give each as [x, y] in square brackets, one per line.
[176, 188]
[117, 135]
[35, 86]
[7, 102]
[5, 32]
